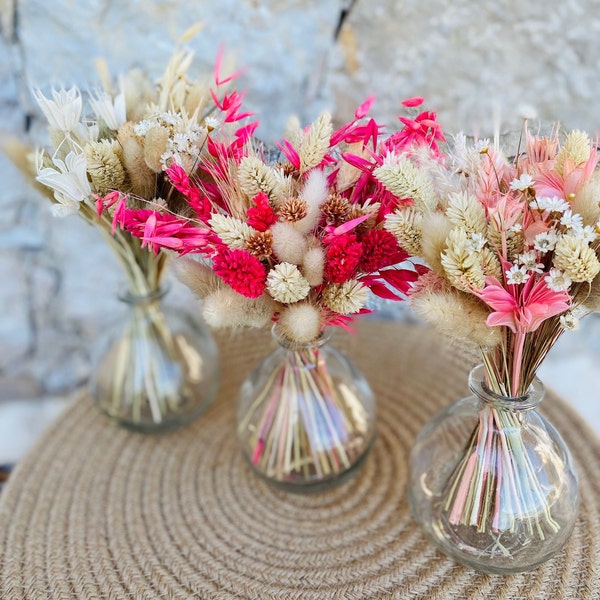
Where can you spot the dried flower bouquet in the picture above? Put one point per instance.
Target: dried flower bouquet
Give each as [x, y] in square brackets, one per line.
[513, 249]
[295, 238]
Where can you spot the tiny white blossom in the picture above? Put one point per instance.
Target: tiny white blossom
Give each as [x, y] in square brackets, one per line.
[589, 234]
[569, 321]
[212, 123]
[516, 275]
[482, 146]
[522, 183]
[476, 242]
[516, 228]
[545, 241]
[529, 261]
[551, 204]
[558, 281]
[573, 221]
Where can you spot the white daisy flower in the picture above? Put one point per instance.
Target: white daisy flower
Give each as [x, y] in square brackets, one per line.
[545, 241]
[482, 146]
[589, 234]
[476, 242]
[551, 204]
[529, 261]
[558, 281]
[522, 183]
[573, 221]
[516, 275]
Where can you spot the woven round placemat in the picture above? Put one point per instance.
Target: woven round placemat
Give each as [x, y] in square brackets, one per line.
[96, 512]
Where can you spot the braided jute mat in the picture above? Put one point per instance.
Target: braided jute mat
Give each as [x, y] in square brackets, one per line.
[96, 512]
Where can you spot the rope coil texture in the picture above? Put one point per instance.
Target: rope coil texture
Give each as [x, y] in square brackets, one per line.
[94, 512]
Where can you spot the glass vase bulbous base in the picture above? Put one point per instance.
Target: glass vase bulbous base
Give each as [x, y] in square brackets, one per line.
[492, 483]
[157, 369]
[306, 417]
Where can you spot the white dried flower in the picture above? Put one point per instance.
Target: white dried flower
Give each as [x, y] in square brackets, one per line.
[108, 109]
[63, 112]
[68, 181]
[233, 232]
[551, 204]
[557, 281]
[522, 183]
[545, 241]
[529, 262]
[569, 321]
[346, 298]
[286, 284]
[476, 242]
[572, 221]
[516, 275]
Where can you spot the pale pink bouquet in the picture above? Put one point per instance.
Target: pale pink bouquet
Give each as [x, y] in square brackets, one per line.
[513, 245]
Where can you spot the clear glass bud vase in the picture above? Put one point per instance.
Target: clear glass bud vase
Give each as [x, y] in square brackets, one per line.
[158, 368]
[492, 482]
[306, 416]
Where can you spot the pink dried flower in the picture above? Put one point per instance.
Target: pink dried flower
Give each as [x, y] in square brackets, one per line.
[241, 271]
[342, 258]
[261, 215]
[524, 309]
[380, 249]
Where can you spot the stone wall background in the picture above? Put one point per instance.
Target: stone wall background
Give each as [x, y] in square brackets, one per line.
[474, 62]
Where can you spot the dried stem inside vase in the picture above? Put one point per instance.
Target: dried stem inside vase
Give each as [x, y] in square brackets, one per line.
[306, 427]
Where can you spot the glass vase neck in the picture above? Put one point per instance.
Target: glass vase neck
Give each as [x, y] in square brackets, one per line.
[481, 386]
[136, 297]
[289, 344]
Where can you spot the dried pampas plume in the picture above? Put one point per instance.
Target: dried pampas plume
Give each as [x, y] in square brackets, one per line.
[289, 245]
[313, 265]
[199, 277]
[155, 145]
[435, 228]
[226, 308]
[456, 314]
[141, 178]
[314, 193]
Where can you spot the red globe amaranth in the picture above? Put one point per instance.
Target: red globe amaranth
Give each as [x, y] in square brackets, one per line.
[343, 256]
[380, 249]
[241, 270]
